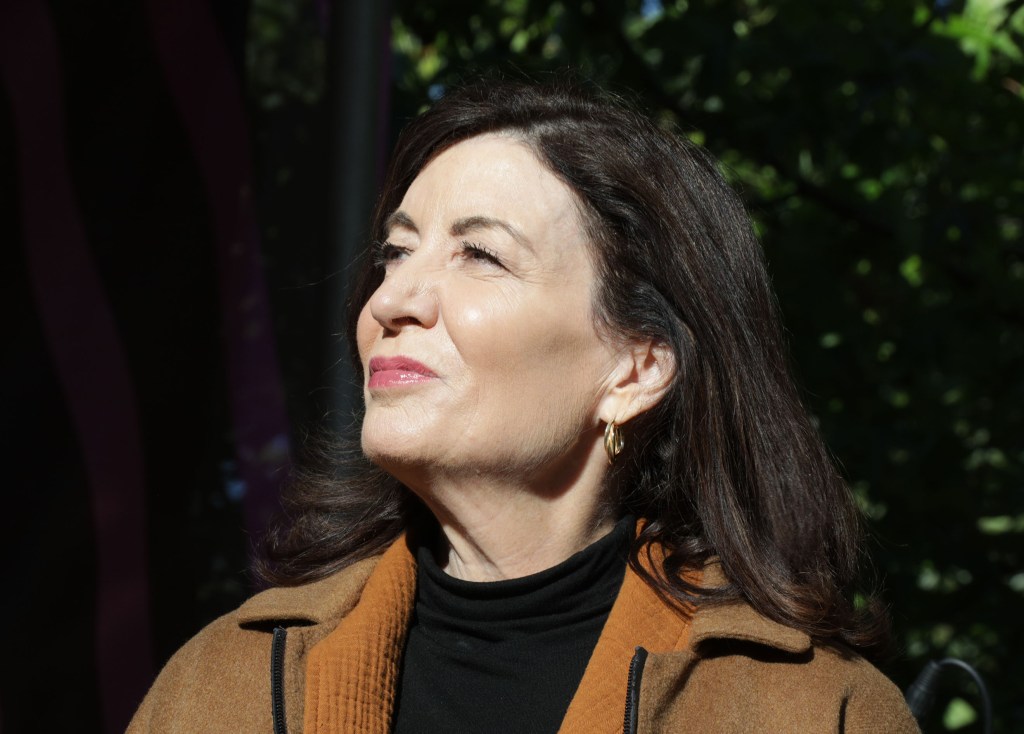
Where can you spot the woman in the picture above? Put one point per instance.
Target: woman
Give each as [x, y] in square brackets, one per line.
[601, 505]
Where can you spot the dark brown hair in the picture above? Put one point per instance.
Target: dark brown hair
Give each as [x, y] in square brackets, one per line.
[728, 464]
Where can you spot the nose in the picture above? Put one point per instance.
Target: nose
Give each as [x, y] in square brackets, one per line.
[405, 298]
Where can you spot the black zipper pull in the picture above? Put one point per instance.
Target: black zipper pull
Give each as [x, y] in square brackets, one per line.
[277, 680]
[636, 671]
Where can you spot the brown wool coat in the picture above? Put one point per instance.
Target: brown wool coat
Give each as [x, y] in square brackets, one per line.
[724, 669]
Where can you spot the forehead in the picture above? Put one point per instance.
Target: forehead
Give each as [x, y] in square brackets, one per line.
[493, 175]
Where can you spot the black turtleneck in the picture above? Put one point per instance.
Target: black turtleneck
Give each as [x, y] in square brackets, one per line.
[505, 656]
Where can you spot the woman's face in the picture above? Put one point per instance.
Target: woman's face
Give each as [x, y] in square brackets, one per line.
[480, 351]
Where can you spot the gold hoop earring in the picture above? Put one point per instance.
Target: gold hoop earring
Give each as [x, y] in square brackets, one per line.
[613, 441]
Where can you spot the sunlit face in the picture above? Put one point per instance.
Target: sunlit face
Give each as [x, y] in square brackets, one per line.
[480, 351]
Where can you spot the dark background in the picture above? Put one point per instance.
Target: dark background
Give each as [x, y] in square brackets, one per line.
[185, 184]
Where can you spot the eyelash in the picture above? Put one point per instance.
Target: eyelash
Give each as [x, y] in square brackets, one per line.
[384, 252]
[477, 249]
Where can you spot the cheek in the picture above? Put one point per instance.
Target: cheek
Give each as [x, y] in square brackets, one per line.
[487, 330]
[525, 345]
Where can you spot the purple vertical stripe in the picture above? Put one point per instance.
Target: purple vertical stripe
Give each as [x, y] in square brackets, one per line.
[88, 356]
[209, 103]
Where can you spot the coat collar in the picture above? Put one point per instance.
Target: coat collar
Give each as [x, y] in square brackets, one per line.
[321, 602]
[328, 600]
[739, 621]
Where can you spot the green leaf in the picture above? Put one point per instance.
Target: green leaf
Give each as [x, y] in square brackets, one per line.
[959, 714]
[910, 269]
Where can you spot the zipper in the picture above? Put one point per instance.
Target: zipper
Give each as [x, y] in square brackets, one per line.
[277, 680]
[636, 671]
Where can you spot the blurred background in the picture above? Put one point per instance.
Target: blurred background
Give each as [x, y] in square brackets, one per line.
[185, 184]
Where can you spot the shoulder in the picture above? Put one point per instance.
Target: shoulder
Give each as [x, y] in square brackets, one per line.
[220, 679]
[207, 678]
[823, 688]
[839, 689]
[777, 673]
[742, 685]
[774, 676]
[870, 701]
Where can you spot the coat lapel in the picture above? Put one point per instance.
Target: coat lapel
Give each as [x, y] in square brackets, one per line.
[352, 674]
[639, 618]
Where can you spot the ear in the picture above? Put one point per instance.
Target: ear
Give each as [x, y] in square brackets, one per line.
[645, 373]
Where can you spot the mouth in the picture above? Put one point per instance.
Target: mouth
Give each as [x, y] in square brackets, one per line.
[393, 371]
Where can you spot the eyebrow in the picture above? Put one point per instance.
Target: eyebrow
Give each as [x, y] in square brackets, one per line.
[399, 219]
[460, 227]
[468, 224]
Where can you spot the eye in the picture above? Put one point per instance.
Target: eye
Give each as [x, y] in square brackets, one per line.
[474, 251]
[385, 253]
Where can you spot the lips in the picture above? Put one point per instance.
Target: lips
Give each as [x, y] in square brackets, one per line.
[393, 371]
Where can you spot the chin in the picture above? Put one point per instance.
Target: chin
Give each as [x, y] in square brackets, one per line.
[391, 448]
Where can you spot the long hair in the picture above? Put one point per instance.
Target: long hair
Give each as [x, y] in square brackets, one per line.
[728, 465]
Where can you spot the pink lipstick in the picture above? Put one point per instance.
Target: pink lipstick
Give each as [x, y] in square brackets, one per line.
[392, 371]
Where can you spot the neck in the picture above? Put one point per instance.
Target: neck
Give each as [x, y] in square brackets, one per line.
[497, 547]
[495, 529]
